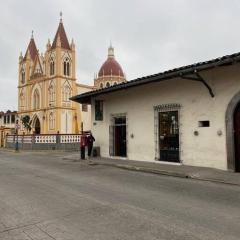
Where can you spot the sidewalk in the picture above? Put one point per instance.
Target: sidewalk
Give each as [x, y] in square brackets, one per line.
[199, 173]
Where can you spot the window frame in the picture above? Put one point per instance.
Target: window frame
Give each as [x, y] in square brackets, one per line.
[99, 107]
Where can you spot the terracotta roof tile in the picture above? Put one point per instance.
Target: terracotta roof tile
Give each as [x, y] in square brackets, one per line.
[32, 49]
[63, 37]
[110, 67]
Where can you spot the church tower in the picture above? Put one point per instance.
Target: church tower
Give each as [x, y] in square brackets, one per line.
[46, 82]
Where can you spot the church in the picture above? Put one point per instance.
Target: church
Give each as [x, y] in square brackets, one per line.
[46, 82]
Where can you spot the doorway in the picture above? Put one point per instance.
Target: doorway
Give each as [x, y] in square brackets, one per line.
[169, 136]
[118, 137]
[1, 138]
[237, 137]
[37, 126]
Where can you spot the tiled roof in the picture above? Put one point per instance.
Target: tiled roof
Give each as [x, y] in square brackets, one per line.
[32, 49]
[63, 37]
[111, 67]
[173, 73]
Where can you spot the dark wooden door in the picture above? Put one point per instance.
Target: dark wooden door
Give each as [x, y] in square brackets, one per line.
[120, 137]
[37, 127]
[237, 138]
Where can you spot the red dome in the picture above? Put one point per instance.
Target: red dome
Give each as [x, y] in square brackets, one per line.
[111, 67]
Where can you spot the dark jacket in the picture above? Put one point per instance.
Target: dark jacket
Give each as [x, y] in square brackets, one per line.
[90, 139]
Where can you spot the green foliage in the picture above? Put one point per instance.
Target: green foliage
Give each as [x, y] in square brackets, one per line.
[26, 123]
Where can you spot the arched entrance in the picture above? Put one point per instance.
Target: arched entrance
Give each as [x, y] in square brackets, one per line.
[237, 137]
[36, 125]
[233, 134]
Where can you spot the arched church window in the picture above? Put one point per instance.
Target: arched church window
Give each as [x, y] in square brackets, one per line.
[21, 100]
[108, 84]
[101, 85]
[51, 93]
[66, 93]
[52, 67]
[22, 76]
[115, 83]
[51, 121]
[66, 67]
[36, 99]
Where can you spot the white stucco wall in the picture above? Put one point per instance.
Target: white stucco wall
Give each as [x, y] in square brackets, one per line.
[85, 116]
[207, 149]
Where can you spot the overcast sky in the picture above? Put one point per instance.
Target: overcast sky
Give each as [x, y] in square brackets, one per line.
[148, 36]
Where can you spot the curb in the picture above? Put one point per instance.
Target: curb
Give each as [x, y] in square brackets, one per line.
[141, 169]
[162, 172]
[154, 171]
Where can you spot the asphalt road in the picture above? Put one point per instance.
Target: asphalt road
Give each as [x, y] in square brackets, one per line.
[44, 197]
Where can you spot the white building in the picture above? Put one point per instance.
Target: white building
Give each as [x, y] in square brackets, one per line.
[7, 125]
[189, 115]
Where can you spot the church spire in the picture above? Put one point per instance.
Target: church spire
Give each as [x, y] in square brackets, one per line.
[31, 49]
[61, 16]
[111, 51]
[61, 35]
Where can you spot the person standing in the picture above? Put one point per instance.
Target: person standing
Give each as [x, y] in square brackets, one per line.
[90, 140]
[83, 143]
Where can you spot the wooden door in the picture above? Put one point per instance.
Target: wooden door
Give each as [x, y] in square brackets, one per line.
[237, 138]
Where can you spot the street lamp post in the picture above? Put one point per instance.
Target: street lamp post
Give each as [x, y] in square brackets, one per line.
[17, 126]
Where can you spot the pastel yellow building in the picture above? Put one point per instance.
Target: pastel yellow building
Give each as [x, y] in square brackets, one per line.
[46, 82]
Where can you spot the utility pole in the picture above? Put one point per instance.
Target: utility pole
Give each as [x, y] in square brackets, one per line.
[17, 126]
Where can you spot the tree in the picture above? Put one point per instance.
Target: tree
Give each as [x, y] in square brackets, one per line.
[27, 123]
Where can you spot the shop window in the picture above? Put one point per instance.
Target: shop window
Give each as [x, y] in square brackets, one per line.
[98, 110]
[204, 124]
[169, 136]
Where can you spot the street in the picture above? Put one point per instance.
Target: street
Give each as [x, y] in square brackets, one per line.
[44, 197]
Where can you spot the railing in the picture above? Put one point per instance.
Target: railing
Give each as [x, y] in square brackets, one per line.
[70, 138]
[45, 138]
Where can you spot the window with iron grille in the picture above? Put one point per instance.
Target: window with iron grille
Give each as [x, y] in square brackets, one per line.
[167, 109]
[84, 107]
[98, 110]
